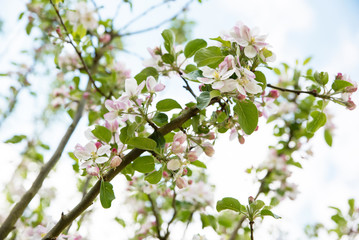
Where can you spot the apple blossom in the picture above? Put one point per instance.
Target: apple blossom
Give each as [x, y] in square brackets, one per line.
[153, 86]
[181, 182]
[115, 162]
[174, 164]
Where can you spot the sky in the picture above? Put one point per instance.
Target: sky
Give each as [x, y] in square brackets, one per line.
[296, 29]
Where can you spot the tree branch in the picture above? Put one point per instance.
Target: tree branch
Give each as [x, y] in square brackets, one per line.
[87, 201]
[19, 208]
[187, 87]
[174, 213]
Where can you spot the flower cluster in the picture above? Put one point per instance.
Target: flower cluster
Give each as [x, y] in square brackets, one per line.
[348, 91]
[83, 15]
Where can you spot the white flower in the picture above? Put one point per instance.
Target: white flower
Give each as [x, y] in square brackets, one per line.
[132, 89]
[153, 86]
[90, 151]
[174, 164]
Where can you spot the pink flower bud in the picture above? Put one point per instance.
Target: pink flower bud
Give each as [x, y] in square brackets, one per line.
[98, 145]
[86, 95]
[58, 31]
[115, 162]
[251, 200]
[114, 150]
[350, 105]
[241, 97]
[241, 139]
[256, 128]
[192, 156]
[339, 76]
[185, 171]
[211, 136]
[105, 38]
[165, 174]
[181, 183]
[190, 182]
[273, 93]
[208, 149]
[260, 114]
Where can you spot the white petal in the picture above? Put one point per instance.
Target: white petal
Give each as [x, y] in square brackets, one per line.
[105, 149]
[130, 86]
[241, 90]
[250, 51]
[89, 135]
[218, 84]
[150, 83]
[90, 147]
[205, 80]
[207, 72]
[253, 88]
[101, 160]
[82, 155]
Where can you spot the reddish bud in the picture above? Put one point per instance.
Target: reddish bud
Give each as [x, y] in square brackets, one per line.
[339, 76]
[273, 94]
[98, 145]
[350, 105]
[181, 183]
[251, 200]
[114, 150]
[241, 97]
[86, 95]
[241, 139]
[185, 171]
[190, 182]
[256, 128]
[165, 174]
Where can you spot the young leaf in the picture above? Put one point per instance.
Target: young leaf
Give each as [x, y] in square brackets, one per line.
[142, 143]
[318, 121]
[321, 78]
[198, 163]
[166, 105]
[148, 71]
[328, 137]
[106, 194]
[144, 164]
[193, 46]
[169, 38]
[154, 177]
[102, 133]
[160, 119]
[211, 56]
[339, 85]
[247, 115]
[266, 212]
[16, 139]
[260, 77]
[203, 100]
[228, 203]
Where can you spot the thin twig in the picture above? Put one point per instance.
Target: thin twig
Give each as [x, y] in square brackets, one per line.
[313, 93]
[144, 14]
[251, 226]
[158, 25]
[77, 51]
[157, 217]
[187, 87]
[174, 213]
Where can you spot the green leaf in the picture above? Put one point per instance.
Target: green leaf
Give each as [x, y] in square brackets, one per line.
[228, 203]
[339, 85]
[120, 221]
[198, 163]
[257, 205]
[169, 38]
[260, 77]
[321, 78]
[16, 139]
[102, 133]
[144, 164]
[203, 100]
[211, 56]
[154, 177]
[328, 137]
[193, 46]
[142, 143]
[267, 212]
[318, 121]
[160, 119]
[166, 105]
[247, 115]
[106, 194]
[224, 42]
[351, 203]
[148, 71]
[307, 60]
[208, 220]
[168, 58]
[215, 93]
[194, 75]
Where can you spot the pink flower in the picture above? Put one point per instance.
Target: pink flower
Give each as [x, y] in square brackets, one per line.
[131, 87]
[105, 38]
[249, 39]
[90, 151]
[92, 170]
[192, 156]
[153, 86]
